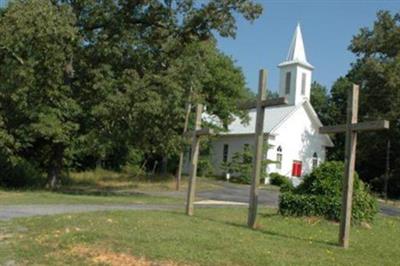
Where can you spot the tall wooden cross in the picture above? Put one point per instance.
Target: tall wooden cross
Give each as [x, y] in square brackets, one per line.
[350, 128]
[260, 105]
[188, 108]
[196, 134]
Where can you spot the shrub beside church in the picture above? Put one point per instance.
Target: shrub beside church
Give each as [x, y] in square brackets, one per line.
[321, 194]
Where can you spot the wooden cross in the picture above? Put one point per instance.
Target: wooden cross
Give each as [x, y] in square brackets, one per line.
[196, 134]
[260, 105]
[351, 128]
[188, 108]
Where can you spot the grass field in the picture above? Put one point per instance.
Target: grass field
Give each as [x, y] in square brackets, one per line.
[212, 237]
[215, 236]
[108, 180]
[105, 187]
[46, 197]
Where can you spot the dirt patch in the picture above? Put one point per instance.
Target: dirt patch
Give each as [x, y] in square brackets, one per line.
[4, 237]
[313, 220]
[107, 257]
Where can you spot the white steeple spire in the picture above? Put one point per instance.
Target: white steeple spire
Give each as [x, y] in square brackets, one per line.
[297, 53]
[296, 72]
[296, 49]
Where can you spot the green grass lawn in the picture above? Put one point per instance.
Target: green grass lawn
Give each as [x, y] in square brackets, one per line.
[106, 187]
[46, 197]
[212, 237]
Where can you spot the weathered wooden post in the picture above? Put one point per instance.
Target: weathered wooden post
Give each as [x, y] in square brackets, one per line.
[260, 105]
[185, 127]
[196, 134]
[350, 162]
[351, 128]
[258, 149]
[387, 170]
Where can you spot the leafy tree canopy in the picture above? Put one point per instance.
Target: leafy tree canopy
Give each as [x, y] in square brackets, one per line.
[38, 40]
[377, 71]
[84, 81]
[319, 100]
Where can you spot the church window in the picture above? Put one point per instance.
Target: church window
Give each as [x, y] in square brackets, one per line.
[225, 153]
[287, 83]
[315, 160]
[303, 84]
[279, 158]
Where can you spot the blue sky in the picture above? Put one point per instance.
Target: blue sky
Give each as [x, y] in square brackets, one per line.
[327, 26]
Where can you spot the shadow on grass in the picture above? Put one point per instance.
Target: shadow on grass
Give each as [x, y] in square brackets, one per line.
[80, 191]
[90, 191]
[262, 231]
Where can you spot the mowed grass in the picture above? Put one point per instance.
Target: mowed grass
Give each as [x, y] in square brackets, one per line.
[212, 237]
[46, 197]
[107, 187]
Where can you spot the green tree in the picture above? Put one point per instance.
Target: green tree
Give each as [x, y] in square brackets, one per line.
[38, 40]
[377, 70]
[336, 114]
[92, 80]
[137, 65]
[319, 100]
[241, 164]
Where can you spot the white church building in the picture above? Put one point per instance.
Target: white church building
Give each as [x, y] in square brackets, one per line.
[291, 131]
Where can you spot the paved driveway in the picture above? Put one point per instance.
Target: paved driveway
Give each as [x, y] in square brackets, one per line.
[270, 198]
[8, 212]
[225, 192]
[240, 193]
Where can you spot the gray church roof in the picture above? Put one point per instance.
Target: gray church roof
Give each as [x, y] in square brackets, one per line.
[272, 118]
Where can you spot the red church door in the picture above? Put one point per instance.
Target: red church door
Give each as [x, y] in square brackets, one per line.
[296, 168]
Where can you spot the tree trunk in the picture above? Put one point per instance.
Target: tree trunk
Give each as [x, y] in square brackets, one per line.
[57, 150]
[55, 165]
[164, 165]
[153, 172]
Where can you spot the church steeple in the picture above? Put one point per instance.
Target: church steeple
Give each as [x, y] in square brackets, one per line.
[295, 81]
[296, 49]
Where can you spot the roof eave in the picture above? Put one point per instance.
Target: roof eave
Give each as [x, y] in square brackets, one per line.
[296, 62]
[227, 134]
[308, 105]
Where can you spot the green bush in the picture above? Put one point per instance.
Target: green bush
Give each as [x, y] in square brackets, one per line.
[133, 166]
[240, 166]
[20, 174]
[281, 181]
[204, 167]
[320, 195]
